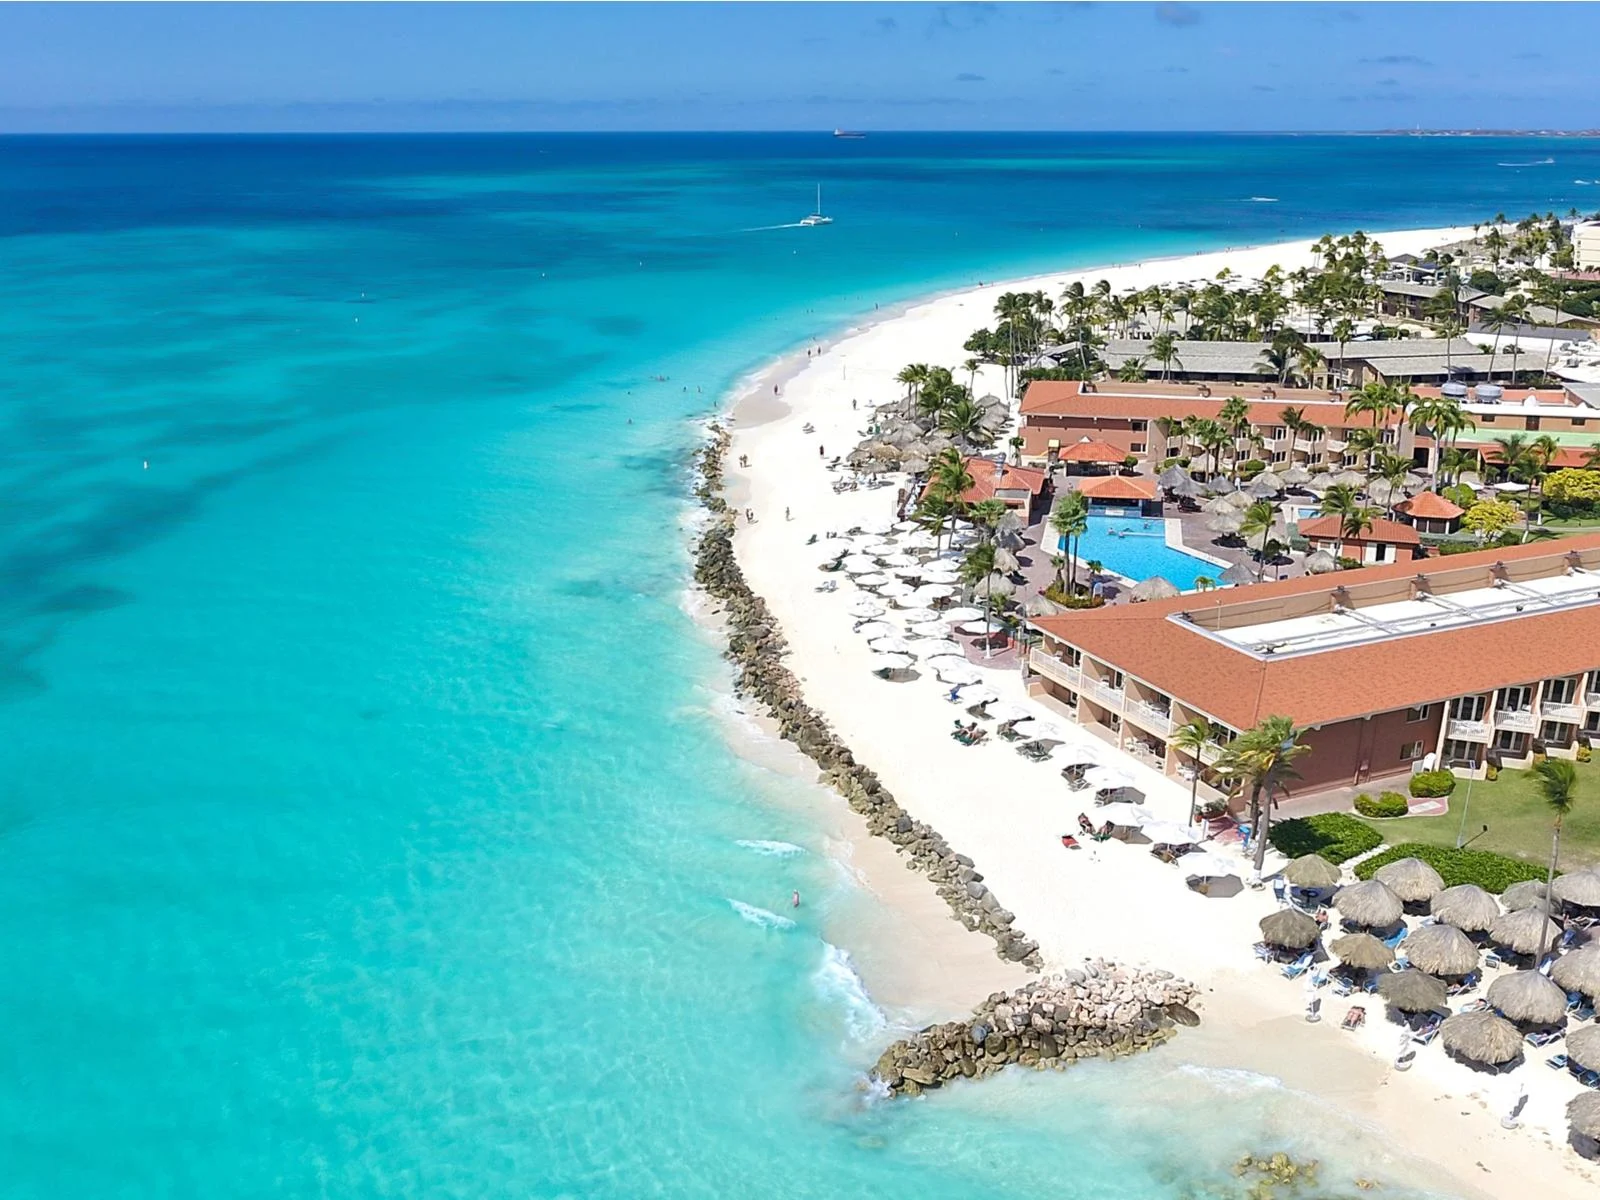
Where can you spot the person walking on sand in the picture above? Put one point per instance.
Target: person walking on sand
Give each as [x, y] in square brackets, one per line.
[786, 515]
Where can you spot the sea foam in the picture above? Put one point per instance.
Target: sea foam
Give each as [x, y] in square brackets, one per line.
[772, 849]
[760, 916]
[838, 983]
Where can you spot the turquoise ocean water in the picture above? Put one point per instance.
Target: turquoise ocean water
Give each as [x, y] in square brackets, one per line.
[367, 824]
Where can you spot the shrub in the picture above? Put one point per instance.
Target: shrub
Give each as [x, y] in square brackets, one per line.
[1390, 804]
[1346, 563]
[1585, 754]
[1251, 467]
[1572, 485]
[1490, 871]
[1491, 773]
[1335, 836]
[1433, 783]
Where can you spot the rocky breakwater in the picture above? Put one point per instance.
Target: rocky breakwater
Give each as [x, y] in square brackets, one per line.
[756, 648]
[1100, 1011]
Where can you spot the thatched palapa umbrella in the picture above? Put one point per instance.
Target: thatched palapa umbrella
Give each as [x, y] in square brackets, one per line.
[1579, 971]
[1217, 504]
[1189, 489]
[1523, 895]
[1413, 991]
[1578, 887]
[1239, 500]
[1371, 904]
[1466, 906]
[1264, 486]
[1413, 880]
[1236, 575]
[1311, 871]
[1290, 929]
[1320, 562]
[1296, 476]
[1442, 950]
[1583, 1115]
[1362, 951]
[1172, 477]
[1155, 588]
[1226, 523]
[1528, 998]
[1526, 932]
[1583, 1047]
[1482, 1037]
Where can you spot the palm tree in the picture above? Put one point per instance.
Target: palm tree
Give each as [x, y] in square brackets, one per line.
[1070, 519]
[1263, 758]
[914, 376]
[1378, 399]
[1210, 436]
[1257, 523]
[1234, 417]
[963, 421]
[1499, 320]
[1132, 369]
[1355, 518]
[1363, 442]
[1556, 781]
[948, 484]
[1164, 349]
[1343, 330]
[971, 367]
[1440, 417]
[1191, 736]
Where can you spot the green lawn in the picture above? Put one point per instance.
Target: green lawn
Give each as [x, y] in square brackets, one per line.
[1519, 823]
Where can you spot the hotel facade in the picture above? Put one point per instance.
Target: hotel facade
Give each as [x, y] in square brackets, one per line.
[1459, 662]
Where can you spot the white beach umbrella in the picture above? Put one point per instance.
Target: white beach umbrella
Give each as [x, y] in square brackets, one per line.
[905, 526]
[928, 629]
[904, 570]
[1007, 711]
[899, 560]
[881, 547]
[934, 591]
[877, 629]
[951, 671]
[1086, 756]
[976, 628]
[1509, 486]
[1105, 779]
[1168, 833]
[931, 647]
[1118, 813]
[889, 644]
[878, 527]
[1035, 728]
[1207, 865]
[977, 694]
[918, 616]
[922, 540]
[966, 613]
[859, 564]
[866, 608]
[876, 579]
[896, 590]
[939, 574]
[892, 662]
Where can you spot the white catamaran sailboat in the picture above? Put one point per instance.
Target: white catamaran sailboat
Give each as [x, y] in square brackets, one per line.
[817, 218]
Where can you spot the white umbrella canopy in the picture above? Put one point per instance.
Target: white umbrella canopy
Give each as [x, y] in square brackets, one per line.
[928, 629]
[866, 608]
[892, 662]
[888, 644]
[903, 570]
[977, 694]
[949, 670]
[976, 628]
[895, 590]
[1168, 833]
[916, 616]
[940, 575]
[877, 527]
[1104, 779]
[859, 564]
[880, 547]
[939, 647]
[875, 579]
[905, 526]
[898, 560]
[1121, 813]
[963, 613]
[1079, 755]
[1034, 728]
[929, 592]
[878, 629]
[1206, 865]
[1007, 711]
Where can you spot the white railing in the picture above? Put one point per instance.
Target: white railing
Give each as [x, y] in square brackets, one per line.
[1592, 699]
[1307, 444]
[1103, 692]
[1150, 717]
[1048, 665]
[1467, 731]
[1520, 721]
[1566, 713]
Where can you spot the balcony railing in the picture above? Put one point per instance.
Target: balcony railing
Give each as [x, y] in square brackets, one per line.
[1336, 445]
[1103, 692]
[1518, 721]
[1150, 717]
[1307, 444]
[1052, 667]
[1467, 731]
[1591, 699]
[1569, 714]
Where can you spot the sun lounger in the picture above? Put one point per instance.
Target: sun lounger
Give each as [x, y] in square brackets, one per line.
[1263, 951]
[1467, 985]
[1542, 1037]
[1493, 959]
[1556, 1062]
[1400, 963]
[1428, 1030]
[1395, 938]
[1279, 890]
[1298, 967]
[1472, 1006]
[1342, 986]
[1355, 1018]
[1319, 979]
[1589, 1079]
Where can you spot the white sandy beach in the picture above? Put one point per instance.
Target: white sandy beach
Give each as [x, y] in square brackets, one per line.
[1007, 813]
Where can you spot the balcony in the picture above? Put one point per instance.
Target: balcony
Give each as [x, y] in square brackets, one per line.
[1053, 668]
[1103, 693]
[1467, 731]
[1148, 716]
[1591, 699]
[1336, 445]
[1567, 714]
[1309, 445]
[1519, 721]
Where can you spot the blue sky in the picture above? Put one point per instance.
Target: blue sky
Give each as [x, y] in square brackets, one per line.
[83, 67]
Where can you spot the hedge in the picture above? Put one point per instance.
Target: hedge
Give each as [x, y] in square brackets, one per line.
[1490, 871]
[1433, 783]
[1335, 836]
[1390, 804]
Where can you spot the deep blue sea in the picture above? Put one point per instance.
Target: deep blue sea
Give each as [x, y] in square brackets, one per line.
[368, 824]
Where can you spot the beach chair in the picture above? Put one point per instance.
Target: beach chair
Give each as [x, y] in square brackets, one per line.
[1589, 1079]
[1492, 959]
[1355, 1018]
[1342, 986]
[1429, 1029]
[1468, 984]
[1400, 963]
[1319, 979]
[1540, 1038]
[1280, 891]
[1472, 1006]
[1556, 1062]
[1298, 967]
[1263, 951]
[1394, 939]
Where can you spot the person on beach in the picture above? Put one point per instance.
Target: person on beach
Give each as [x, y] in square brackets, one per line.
[820, 452]
[794, 901]
[786, 515]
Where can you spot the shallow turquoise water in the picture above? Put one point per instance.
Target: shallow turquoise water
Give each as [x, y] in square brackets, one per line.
[1136, 548]
[366, 824]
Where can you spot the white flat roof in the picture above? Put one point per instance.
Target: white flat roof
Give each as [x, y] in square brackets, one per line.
[1345, 627]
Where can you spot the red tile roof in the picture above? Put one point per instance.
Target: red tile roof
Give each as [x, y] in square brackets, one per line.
[1337, 684]
[1429, 506]
[1060, 397]
[1391, 533]
[1091, 450]
[1117, 487]
[985, 486]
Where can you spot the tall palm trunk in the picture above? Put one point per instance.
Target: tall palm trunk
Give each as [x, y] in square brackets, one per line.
[1258, 817]
[1549, 880]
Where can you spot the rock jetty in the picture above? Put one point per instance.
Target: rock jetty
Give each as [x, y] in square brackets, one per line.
[1100, 1011]
[756, 648]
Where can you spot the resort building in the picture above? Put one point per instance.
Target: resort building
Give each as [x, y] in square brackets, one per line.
[1457, 661]
[1586, 245]
[1133, 417]
[1121, 492]
[1429, 512]
[1379, 541]
[1025, 490]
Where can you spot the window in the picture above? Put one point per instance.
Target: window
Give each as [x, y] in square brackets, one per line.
[1533, 424]
[1487, 418]
[1510, 742]
[1277, 432]
[1138, 426]
[1116, 680]
[1515, 699]
[1462, 754]
[1418, 712]
[1279, 456]
[1579, 422]
[1560, 691]
[1555, 733]
[1468, 708]
[1411, 750]
[1135, 447]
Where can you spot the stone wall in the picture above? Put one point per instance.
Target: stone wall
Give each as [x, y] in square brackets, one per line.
[1101, 1011]
[756, 648]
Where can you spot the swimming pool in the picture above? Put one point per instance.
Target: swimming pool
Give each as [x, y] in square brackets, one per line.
[1136, 547]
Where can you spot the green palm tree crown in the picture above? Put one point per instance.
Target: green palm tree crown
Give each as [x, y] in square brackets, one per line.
[1556, 781]
[1263, 759]
[1191, 736]
[1070, 519]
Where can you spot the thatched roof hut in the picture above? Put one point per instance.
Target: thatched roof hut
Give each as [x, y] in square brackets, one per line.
[1311, 871]
[1579, 971]
[1441, 950]
[1482, 1037]
[1527, 997]
[1237, 574]
[1413, 991]
[1291, 929]
[1157, 588]
[1583, 1115]
[1583, 1047]
[1320, 562]
[1578, 887]
[1528, 931]
[1466, 906]
[1371, 904]
[1523, 895]
[1413, 880]
[1172, 477]
[1361, 951]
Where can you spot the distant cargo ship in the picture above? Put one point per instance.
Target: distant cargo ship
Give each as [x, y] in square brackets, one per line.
[848, 133]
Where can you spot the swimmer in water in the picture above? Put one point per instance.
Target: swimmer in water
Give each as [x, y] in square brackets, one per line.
[795, 900]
